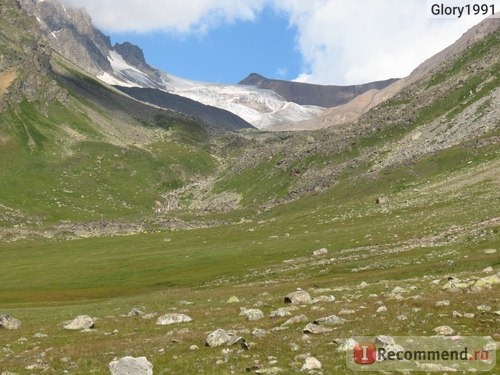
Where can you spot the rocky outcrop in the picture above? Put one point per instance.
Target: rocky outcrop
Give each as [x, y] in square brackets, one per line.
[173, 318]
[80, 323]
[8, 322]
[131, 366]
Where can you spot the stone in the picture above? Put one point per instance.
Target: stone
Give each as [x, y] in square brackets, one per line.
[444, 331]
[320, 252]
[329, 298]
[443, 303]
[401, 317]
[488, 269]
[382, 200]
[131, 366]
[135, 312]
[315, 329]
[234, 339]
[300, 297]
[8, 322]
[363, 284]
[296, 319]
[233, 299]
[173, 318]
[80, 323]
[330, 320]
[455, 285]
[484, 308]
[486, 282]
[382, 308]
[217, 338]
[279, 313]
[311, 363]
[346, 345]
[399, 290]
[252, 314]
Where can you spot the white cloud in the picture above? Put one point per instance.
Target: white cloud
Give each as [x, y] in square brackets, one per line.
[168, 15]
[341, 42]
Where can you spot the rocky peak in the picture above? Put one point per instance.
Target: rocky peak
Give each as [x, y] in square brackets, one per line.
[253, 79]
[133, 55]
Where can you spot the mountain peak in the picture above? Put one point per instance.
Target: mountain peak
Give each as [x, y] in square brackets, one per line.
[252, 79]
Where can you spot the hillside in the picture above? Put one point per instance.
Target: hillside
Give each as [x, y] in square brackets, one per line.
[122, 212]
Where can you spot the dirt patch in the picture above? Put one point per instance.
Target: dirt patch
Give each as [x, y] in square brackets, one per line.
[6, 79]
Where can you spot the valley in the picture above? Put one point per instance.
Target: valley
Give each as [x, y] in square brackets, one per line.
[123, 204]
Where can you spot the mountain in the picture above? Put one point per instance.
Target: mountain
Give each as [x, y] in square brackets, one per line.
[310, 94]
[71, 33]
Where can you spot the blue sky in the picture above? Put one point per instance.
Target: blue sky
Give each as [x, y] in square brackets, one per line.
[227, 53]
[315, 41]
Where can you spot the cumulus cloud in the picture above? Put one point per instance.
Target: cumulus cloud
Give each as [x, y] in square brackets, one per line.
[341, 42]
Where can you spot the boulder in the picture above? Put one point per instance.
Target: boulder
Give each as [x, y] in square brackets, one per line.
[315, 329]
[173, 319]
[131, 366]
[347, 345]
[320, 252]
[279, 313]
[217, 338]
[252, 314]
[486, 282]
[80, 323]
[382, 200]
[311, 363]
[330, 320]
[8, 322]
[444, 331]
[300, 297]
[455, 285]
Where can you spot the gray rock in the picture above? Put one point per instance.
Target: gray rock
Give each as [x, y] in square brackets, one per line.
[217, 338]
[135, 312]
[330, 320]
[315, 329]
[8, 322]
[329, 298]
[382, 200]
[260, 333]
[234, 339]
[173, 318]
[193, 347]
[300, 297]
[444, 330]
[80, 323]
[311, 363]
[252, 314]
[486, 282]
[455, 285]
[320, 252]
[347, 345]
[382, 308]
[443, 303]
[279, 313]
[131, 366]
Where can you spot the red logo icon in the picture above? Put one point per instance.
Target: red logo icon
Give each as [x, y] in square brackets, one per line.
[365, 353]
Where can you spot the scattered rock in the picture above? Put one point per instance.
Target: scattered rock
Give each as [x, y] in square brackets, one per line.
[401, 317]
[486, 282]
[300, 297]
[382, 200]
[252, 314]
[443, 303]
[484, 308]
[382, 308]
[346, 345]
[173, 319]
[40, 335]
[217, 338]
[80, 323]
[363, 284]
[347, 312]
[296, 319]
[330, 320]
[311, 363]
[131, 365]
[234, 339]
[135, 312]
[489, 251]
[279, 313]
[455, 285]
[444, 330]
[8, 322]
[193, 347]
[488, 269]
[398, 290]
[323, 299]
[320, 252]
[233, 299]
[315, 329]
